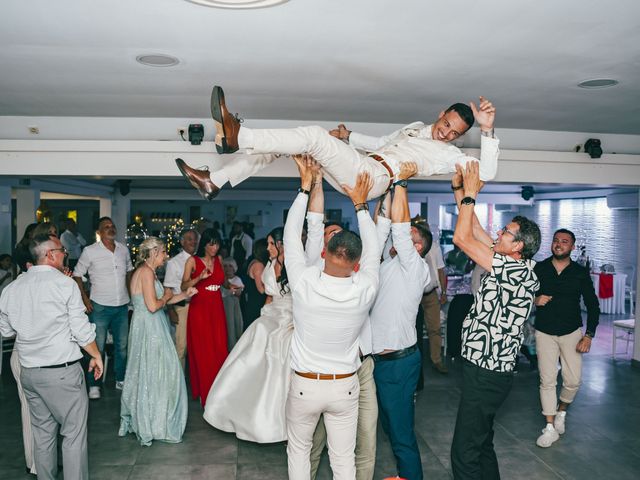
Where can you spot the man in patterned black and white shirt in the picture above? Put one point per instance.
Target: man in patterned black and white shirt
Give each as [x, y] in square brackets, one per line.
[492, 331]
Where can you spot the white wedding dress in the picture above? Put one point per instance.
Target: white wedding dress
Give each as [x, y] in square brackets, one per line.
[249, 394]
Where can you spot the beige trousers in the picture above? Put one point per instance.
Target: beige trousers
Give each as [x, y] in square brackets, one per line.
[550, 348]
[181, 333]
[431, 306]
[27, 435]
[367, 427]
[337, 401]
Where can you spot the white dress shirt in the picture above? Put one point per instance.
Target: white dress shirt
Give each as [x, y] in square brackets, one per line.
[402, 281]
[107, 273]
[44, 309]
[407, 145]
[174, 272]
[73, 243]
[328, 312]
[313, 250]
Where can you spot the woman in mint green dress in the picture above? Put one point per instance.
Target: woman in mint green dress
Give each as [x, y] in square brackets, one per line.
[154, 398]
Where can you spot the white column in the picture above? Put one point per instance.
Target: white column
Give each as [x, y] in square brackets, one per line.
[6, 245]
[121, 208]
[636, 343]
[27, 201]
[433, 211]
[105, 207]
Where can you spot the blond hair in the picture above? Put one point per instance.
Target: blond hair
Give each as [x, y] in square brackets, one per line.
[146, 249]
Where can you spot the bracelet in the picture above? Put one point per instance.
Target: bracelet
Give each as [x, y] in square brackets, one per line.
[459, 187]
[361, 206]
[302, 190]
[489, 134]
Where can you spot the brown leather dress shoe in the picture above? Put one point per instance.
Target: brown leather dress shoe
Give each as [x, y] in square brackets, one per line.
[227, 125]
[199, 179]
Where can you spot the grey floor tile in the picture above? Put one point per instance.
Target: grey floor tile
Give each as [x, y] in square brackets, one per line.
[183, 472]
[261, 472]
[111, 472]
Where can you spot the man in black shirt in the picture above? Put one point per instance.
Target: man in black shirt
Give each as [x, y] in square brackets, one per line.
[559, 330]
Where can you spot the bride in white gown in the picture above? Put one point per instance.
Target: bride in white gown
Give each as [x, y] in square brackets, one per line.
[249, 394]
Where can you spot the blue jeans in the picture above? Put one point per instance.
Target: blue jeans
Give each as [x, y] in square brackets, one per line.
[115, 319]
[396, 382]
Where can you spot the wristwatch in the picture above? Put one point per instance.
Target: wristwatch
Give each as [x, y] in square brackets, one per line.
[302, 190]
[588, 334]
[401, 183]
[468, 201]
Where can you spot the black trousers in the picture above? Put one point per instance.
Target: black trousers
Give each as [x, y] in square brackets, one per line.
[483, 392]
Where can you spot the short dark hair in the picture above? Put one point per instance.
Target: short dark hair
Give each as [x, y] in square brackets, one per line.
[4, 256]
[465, 112]
[529, 235]
[568, 232]
[102, 219]
[345, 244]
[426, 235]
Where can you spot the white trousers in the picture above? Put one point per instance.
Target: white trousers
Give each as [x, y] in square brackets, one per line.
[341, 162]
[337, 401]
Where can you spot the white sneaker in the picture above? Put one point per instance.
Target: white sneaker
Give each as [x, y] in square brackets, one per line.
[558, 422]
[549, 435]
[94, 393]
[120, 385]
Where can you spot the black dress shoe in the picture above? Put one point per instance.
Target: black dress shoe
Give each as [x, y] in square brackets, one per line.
[199, 179]
[227, 125]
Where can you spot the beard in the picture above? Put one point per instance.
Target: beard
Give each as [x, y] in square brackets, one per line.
[562, 256]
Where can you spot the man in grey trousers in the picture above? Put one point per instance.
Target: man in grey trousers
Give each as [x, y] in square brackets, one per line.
[43, 308]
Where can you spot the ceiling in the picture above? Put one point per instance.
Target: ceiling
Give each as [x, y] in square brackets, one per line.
[327, 60]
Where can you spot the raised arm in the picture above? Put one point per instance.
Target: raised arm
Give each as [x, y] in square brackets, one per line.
[382, 219]
[463, 235]
[456, 185]
[401, 220]
[295, 260]
[370, 258]
[315, 217]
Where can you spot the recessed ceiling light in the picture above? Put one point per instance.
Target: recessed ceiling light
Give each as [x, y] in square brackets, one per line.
[157, 60]
[598, 83]
[238, 4]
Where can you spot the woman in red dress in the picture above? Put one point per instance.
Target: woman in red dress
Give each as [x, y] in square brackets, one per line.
[206, 321]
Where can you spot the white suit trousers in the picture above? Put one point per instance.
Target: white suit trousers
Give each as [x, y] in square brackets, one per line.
[337, 401]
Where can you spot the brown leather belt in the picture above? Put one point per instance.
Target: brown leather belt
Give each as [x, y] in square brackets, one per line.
[380, 160]
[325, 376]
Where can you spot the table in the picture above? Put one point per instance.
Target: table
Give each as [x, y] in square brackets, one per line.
[614, 304]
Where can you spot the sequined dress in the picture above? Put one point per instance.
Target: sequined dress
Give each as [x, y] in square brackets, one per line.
[154, 398]
[250, 392]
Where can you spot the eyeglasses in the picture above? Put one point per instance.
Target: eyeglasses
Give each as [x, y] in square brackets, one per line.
[506, 230]
[61, 249]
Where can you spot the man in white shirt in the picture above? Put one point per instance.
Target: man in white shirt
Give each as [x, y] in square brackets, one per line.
[239, 241]
[424, 145]
[44, 310]
[330, 307]
[403, 277]
[73, 241]
[173, 280]
[318, 237]
[108, 265]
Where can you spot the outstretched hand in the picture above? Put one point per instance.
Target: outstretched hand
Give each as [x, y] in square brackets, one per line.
[484, 113]
[407, 170]
[471, 179]
[305, 168]
[360, 191]
[341, 132]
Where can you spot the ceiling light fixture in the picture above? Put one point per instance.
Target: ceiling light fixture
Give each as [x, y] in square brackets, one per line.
[238, 4]
[598, 83]
[157, 60]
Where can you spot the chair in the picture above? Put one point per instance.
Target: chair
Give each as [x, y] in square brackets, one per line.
[630, 286]
[627, 328]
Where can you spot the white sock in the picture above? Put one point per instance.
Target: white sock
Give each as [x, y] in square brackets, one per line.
[219, 178]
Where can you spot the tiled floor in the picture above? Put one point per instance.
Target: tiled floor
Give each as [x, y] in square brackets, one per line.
[602, 439]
